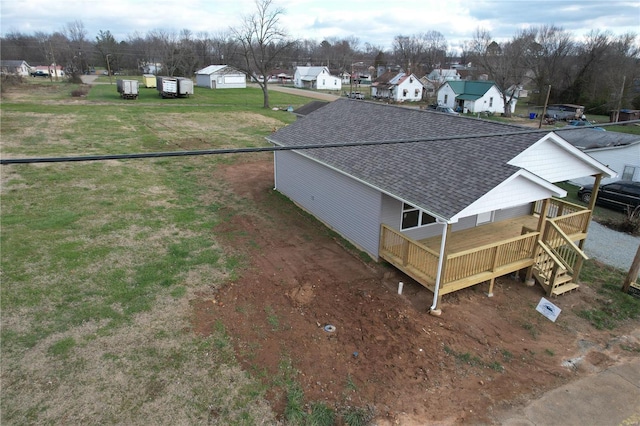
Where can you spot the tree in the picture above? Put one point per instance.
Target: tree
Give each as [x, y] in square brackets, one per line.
[261, 43]
[506, 64]
[107, 49]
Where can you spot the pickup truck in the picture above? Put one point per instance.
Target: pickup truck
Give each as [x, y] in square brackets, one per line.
[39, 73]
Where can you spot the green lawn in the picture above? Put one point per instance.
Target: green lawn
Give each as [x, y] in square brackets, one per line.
[100, 259]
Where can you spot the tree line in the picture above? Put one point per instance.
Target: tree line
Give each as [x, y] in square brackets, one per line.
[600, 71]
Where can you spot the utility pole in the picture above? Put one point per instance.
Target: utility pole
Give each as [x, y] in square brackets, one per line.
[109, 68]
[544, 109]
[633, 272]
[617, 114]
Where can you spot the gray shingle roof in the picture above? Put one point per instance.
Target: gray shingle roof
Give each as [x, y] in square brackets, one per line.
[588, 139]
[441, 176]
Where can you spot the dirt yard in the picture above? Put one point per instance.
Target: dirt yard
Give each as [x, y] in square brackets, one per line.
[480, 359]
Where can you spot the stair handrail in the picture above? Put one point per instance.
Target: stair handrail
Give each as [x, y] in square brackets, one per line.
[551, 254]
[568, 241]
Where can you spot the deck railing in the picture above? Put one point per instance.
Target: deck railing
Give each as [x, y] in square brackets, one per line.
[489, 258]
[561, 246]
[417, 259]
[409, 253]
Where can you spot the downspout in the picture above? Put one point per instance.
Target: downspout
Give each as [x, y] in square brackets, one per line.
[275, 172]
[441, 261]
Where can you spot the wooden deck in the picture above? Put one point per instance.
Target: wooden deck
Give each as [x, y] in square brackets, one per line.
[485, 252]
[482, 235]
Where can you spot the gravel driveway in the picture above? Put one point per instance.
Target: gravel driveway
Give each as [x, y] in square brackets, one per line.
[611, 247]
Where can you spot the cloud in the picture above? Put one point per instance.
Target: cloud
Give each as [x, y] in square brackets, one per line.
[369, 21]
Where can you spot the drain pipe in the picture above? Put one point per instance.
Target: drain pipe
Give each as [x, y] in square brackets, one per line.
[443, 243]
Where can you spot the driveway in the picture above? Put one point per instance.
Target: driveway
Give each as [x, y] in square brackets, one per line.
[611, 247]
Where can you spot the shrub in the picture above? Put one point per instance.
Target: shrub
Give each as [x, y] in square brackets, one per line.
[80, 92]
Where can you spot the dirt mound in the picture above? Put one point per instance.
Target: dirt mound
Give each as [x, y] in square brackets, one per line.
[383, 350]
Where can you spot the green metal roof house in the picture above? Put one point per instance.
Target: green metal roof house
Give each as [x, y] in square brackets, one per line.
[473, 96]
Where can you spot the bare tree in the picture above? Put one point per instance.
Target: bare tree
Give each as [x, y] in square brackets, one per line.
[506, 64]
[262, 42]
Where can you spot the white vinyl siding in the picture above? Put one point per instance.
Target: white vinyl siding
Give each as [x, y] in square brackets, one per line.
[349, 207]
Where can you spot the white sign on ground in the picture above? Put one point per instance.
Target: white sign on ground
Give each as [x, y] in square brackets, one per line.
[548, 309]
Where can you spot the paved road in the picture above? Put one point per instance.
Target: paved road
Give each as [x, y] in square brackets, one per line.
[303, 92]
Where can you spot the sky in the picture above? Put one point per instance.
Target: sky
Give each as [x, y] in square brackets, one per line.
[370, 21]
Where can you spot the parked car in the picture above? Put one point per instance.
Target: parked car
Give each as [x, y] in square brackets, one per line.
[446, 110]
[356, 95]
[39, 73]
[583, 123]
[620, 195]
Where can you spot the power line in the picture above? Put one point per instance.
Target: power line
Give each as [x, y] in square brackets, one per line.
[11, 161]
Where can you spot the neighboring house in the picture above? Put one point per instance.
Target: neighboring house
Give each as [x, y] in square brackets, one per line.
[449, 212]
[619, 151]
[473, 96]
[318, 78]
[53, 70]
[397, 86]
[15, 67]
[221, 77]
[149, 68]
[441, 75]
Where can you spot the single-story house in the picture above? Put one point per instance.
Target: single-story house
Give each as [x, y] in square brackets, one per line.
[441, 75]
[16, 67]
[449, 210]
[473, 96]
[151, 68]
[53, 70]
[619, 151]
[316, 78]
[221, 77]
[397, 86]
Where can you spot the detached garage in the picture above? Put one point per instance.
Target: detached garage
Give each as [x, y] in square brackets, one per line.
[221, 77]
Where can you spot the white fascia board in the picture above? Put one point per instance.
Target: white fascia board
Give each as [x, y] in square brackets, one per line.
[520, 188]
[558, 141]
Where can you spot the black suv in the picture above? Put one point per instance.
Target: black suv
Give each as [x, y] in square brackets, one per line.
[619, 195]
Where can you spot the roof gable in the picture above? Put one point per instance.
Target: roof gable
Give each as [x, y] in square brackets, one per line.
[472, 89]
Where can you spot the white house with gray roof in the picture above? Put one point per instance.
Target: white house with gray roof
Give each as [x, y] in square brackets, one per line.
[221, 77]
[425, 175]
[318, 78]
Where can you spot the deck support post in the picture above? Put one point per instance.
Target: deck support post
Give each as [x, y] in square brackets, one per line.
[544, 211]
[490, 294]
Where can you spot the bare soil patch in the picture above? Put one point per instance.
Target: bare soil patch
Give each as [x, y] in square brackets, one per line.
[483, 357]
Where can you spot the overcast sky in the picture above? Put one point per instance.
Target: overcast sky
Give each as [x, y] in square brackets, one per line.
[371, 21]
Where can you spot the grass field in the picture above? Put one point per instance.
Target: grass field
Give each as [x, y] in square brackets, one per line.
[100, 259]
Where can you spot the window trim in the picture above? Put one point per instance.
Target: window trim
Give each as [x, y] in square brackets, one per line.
[423, 219]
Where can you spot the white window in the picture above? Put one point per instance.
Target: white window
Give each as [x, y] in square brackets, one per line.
[485, 217]
[628, 173]
[417, 93]
[413, 217]
[446, 98]
[490, 102]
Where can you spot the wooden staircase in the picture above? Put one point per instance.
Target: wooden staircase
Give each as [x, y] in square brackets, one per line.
[552, 272]
[554, 260]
